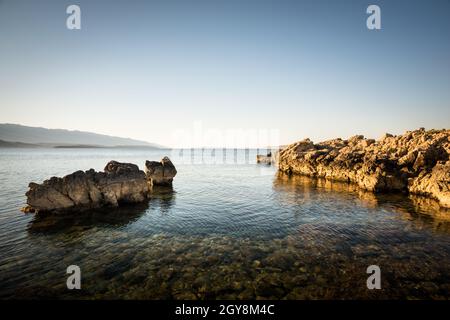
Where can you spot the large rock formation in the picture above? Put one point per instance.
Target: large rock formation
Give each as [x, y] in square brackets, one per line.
[160, 173]
[417, 162]
[83, 190]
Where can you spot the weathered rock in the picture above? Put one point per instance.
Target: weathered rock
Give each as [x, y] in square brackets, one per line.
[270, 158]
[82, 190]
[435, 184]
[160, 173]
[415, 162]
[265, 159]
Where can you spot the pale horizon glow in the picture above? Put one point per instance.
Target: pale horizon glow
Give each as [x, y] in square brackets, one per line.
[149, 69]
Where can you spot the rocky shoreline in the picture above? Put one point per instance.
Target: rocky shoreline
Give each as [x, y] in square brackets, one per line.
[416, 162]
[119, 183]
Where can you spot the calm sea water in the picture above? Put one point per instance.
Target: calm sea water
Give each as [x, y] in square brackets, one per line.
[230, 228]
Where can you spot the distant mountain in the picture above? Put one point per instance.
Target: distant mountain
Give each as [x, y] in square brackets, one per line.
[18, 135]
[8, 144]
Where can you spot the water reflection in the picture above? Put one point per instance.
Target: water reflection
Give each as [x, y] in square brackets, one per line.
[112, 218]
[109, 218]
[307, 188]
[320, 238]
[162, 197]
[423, 211]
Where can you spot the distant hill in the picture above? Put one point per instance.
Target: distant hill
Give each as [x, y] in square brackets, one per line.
[14, 135]
[9, 144]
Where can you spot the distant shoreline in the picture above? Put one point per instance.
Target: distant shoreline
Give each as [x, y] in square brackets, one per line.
[19, 136]
[21, 145]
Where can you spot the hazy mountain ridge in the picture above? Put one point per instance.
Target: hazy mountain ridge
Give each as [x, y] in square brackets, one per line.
[14, 135]
[9, 144]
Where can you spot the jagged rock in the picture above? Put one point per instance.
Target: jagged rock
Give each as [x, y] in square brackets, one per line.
[435, 184]
[415, 162]
[121, 168]
[160, 173]
[82, 190]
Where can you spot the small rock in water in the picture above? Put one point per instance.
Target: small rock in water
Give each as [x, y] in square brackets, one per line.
[160, 173]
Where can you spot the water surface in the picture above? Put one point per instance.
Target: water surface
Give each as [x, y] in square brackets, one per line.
[229, 229]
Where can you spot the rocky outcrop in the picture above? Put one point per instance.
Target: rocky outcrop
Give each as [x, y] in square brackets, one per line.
[82, 190]
[435, 184]
[417, 162]
[160, 173]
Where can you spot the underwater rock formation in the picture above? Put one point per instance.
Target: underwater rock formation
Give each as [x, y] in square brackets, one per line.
[417, 162]
[83, 190]
[160, 173]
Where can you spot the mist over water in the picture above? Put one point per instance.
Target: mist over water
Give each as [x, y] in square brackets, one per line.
[230, 228]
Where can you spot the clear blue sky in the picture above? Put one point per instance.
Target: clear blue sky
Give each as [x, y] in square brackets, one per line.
[142, 69]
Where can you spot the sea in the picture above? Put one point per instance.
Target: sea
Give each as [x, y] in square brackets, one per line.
[230, 228]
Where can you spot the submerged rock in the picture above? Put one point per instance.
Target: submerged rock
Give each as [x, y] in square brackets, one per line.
[160, 173]
[417, 162]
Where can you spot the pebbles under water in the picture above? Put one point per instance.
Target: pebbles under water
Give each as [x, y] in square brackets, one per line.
[227, 231]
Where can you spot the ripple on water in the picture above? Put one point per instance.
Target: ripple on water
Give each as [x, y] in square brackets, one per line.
[227, 231]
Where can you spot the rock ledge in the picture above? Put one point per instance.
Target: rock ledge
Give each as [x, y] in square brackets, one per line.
[417, 162]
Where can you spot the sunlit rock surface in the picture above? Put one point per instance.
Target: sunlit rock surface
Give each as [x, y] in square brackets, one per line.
[416, 162]
[82, 190]
[160, 173]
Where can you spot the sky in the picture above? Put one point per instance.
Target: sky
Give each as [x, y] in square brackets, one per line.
[178, 72]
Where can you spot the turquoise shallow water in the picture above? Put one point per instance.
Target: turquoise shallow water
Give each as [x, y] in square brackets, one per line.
[230, 228]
